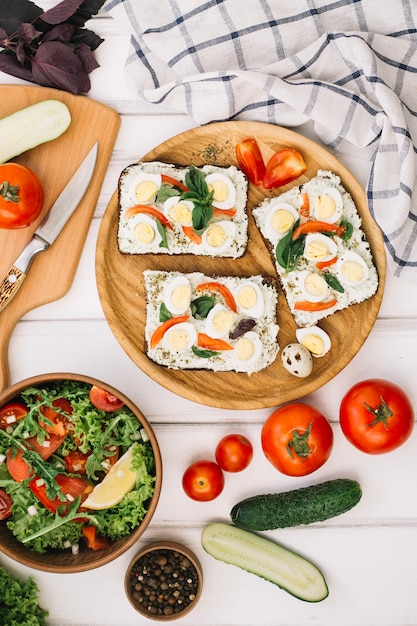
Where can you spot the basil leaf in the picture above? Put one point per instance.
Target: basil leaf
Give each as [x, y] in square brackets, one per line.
[164, 313]
[196, 182]
[204, 354]
[201, 216]
[333, 282]
[165, 192]
[162, 232]
[201, 307]
[287, 251]
[348, 230]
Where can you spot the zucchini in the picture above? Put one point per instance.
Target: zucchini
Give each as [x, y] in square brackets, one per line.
[265, 558]
[32, 126]
[300, 506]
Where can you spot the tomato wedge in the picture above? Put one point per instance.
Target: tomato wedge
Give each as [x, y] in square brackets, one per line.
[17, 467]
[11, 413]
[283, 167]
[104, 400]
[316, 226]
[71, 486]
[160, 331]
[93, 539]
[222, 289]
[250, 160]
[5, 505]
[56, 422]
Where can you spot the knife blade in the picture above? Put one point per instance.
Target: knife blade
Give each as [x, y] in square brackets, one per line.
[50, 227]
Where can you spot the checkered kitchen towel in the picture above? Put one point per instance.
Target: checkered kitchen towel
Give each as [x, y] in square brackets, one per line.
[348, 65]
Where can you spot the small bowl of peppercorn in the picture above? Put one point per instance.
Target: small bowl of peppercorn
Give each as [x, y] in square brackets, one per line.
[164, 581]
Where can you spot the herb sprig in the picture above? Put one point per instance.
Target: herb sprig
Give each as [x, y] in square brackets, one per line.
[50, 47]
[202, 198]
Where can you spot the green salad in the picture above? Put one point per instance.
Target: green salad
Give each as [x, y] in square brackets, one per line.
[19, 601]
[58, 443]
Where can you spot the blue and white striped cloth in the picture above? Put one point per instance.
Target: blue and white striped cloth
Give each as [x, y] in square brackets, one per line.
[350, 66]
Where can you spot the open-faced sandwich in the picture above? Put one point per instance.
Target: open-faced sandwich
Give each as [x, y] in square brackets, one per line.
[167, 209]
[194, 321]
[320, 251]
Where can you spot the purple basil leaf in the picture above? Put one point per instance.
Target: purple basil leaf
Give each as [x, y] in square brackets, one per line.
[20, 52]
[83, 35]
[56, 65]
[62, 32]
[10, 65]
[87, 9]
[14, 12]
[86, 57]
[3, 36]
[26, 33]
[61, 12]
[244, 326]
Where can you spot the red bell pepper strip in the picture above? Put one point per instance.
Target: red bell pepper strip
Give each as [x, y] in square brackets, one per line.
[160, 331]
[314, 306]
[222, 289]
[144, 208]
[174, 182]
[71, 487]
[321, 265]
[250, 160]
[191, 234]
[316, 226]
[223, 212]
[209, 343]
[305, 206]
[94, 541]
[283, 167]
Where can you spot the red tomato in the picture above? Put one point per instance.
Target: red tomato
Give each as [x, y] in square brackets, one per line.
[57, 422]
[5, 505]
[376, 416]
[10, 413]
[297, 439]
[203, 481]
[250, 160]
[49, 446]
[93, 539]
[104, 400]
[17, 467]
[283, 167]
[234, 453]
[75, 461]
[21, 196]
[70, 486]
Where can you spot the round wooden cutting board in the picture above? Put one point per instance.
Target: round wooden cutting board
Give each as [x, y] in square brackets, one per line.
[121, 286]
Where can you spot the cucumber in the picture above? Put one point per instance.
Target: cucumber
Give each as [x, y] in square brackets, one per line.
[265, 558]
[32, 126]
[301, 506]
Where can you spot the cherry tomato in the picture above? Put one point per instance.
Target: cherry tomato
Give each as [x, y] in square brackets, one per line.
[376, 416]
[104, 400]
[297, 439]
[283, 167]
[21, 196]
[71, 487]
[234, 453]
[203, 481]
[11, 413]
[5, 505]
[250, 160]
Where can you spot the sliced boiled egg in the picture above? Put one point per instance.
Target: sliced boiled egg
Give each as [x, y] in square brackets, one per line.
[279, 220]
[144, 187]
[224, 196]
[352, 269]
[248, 349]
[328, 206]
[180, 337]
[249, 299]
[313, 286]
[146, 231]
[315, 339]
[177, 295]
[319, 248]
[218, 237]
[180, 211]
[219, 321]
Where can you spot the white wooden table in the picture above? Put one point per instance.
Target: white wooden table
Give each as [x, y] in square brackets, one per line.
[368, 555]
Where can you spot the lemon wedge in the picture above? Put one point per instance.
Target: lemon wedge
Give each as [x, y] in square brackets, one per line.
[117, 483]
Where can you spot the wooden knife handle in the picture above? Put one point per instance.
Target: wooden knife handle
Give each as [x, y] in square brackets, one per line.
[10, 285]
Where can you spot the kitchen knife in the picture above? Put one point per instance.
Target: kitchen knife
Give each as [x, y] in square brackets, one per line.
[49, 229]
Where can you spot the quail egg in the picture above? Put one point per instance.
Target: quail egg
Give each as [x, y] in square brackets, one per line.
[224, 196]
[297, 360]
[315, 339]
[352, 269]
[279, 220]
[180, 337]
[177, 295]
[328, 206]
[144, 187]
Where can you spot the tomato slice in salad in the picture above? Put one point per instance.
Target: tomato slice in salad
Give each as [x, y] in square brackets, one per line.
[5, 505]
[71, 486]
[56, 421]
[16, 465]
[11, 413]
[93, 539]
[48, 447]
[104, 400]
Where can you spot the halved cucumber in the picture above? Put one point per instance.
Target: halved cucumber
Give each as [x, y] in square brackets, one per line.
[265, 558]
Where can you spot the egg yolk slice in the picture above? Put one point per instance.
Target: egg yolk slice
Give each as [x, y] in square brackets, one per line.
[352, 271]
[282, 220]
[145, 191]
[247, 297]
[245, 349]
[315, 287]
[144, 233]
[181, 296]
[216, 236]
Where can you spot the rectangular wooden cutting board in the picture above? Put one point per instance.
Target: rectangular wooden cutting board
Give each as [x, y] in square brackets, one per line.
[53, 271]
